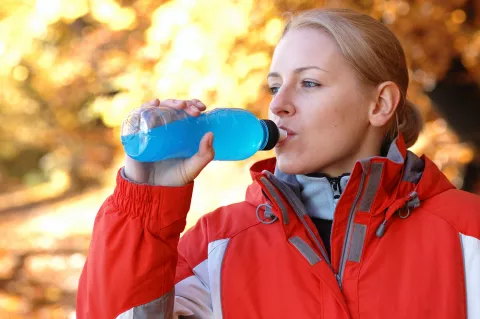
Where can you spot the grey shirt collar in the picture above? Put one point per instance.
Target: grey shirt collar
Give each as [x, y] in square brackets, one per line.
[315, 193]
[318, 195]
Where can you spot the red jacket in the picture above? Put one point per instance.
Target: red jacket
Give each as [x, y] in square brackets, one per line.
[404, 244]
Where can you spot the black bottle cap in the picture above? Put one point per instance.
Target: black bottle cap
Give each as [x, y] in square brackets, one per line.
[273, 135]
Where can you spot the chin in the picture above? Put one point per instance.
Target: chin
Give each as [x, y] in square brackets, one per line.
[291, 165]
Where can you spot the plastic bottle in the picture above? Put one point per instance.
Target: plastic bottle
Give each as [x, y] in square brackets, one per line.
[151, 134]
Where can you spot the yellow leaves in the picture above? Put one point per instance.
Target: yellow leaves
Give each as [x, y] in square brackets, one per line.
[46, 57]
[50, 11]
[114, 110]
[273, 31]
[59, 181]
[471, 55]
[3, 48]
[113, 62]
[8, 151]
[441, 144]
[110, 13]
[11, 304]
[229, 18]
[59, 76]
[72, 10]
[458, 16]
[217, 51]
[195, 45]
[64, 72]
[120, 105]
[165, 20]
[247, 62]
[20, 73]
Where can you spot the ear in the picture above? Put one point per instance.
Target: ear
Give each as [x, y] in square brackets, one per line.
[387, 97]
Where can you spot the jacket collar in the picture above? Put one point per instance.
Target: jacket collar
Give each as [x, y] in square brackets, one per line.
[387, 179]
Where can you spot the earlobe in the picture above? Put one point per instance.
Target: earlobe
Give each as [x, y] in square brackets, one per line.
[386, 102]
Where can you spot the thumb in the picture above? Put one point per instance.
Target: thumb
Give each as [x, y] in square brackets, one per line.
[195, 164]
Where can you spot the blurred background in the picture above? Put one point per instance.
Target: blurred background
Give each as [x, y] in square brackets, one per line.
[71, 70]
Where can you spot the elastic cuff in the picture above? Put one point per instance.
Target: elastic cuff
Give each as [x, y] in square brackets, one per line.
[164, 204]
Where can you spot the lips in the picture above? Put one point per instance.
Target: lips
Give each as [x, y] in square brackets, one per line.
[290, 135]
[289, 131]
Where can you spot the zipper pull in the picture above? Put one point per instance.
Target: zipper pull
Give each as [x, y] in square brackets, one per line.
[388, 215]
[381, 229]
[335, 184]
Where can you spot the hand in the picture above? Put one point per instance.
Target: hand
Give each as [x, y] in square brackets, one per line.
[173, 172]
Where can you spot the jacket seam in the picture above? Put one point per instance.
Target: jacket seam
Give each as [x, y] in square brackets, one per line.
[444, 219]
[225, 255]
[450, 223]
[229, 237]
[246, 228]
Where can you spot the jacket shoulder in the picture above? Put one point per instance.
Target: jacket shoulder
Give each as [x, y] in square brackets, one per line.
[459, 208]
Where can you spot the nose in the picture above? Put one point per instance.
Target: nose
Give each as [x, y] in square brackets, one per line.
[282, 103]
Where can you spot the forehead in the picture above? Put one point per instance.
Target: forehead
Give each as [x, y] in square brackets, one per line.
[306, 46]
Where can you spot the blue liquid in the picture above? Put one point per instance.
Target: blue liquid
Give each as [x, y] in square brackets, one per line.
[237, 135]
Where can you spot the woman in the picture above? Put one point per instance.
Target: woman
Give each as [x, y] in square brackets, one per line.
[344, 223]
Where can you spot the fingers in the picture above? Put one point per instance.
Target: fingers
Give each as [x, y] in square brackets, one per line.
[206, 146]
[173, 103]
[154, 102]
[198, 104]
[206, 153]
[193, 107]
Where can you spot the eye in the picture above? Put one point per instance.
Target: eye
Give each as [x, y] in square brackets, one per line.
[273, 90]
[309, 84]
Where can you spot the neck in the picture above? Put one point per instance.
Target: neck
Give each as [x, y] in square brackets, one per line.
[369, 147]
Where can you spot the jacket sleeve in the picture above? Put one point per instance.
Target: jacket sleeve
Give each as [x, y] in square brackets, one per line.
[132, 259]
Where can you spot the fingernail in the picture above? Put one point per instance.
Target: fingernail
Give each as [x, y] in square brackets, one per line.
[200, 104]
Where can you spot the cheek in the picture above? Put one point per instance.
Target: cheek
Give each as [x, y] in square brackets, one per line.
[332, 131]
[338, 118]
[326, 122]
[346, 119]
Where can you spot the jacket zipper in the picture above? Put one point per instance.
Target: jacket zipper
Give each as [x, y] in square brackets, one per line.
[335, 184]
[300, 211]
[346, 240]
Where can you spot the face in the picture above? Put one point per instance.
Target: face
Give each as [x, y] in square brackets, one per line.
[318, 99]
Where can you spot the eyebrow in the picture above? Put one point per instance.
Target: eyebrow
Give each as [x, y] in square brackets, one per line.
[298, 70]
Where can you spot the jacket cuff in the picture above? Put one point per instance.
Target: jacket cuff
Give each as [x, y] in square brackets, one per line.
[160, 205]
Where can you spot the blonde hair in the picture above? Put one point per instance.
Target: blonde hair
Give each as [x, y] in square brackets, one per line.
[375, 54]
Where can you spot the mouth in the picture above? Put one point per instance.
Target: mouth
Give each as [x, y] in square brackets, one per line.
[289, 131]
[290, 134]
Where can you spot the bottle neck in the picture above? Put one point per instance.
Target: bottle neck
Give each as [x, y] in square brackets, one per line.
[271, 135]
